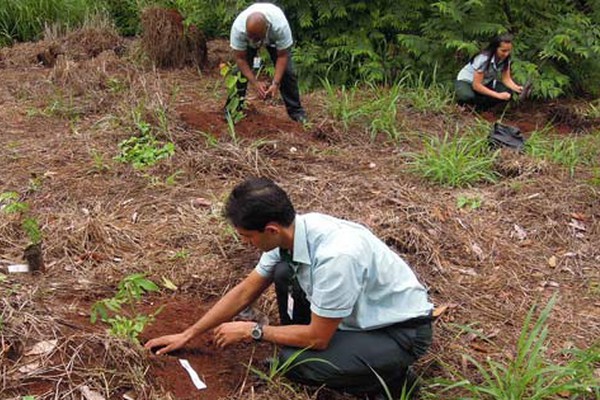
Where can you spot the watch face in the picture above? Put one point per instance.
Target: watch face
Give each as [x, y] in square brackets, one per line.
[256, 332]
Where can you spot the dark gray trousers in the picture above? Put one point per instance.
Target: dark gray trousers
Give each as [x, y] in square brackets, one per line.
[466, 95]
[348, 359]
[288, 86]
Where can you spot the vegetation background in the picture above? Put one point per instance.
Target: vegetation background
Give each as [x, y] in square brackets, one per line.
[343, 41]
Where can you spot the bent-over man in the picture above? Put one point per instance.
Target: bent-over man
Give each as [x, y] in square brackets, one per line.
[265, 24]
[342, 294]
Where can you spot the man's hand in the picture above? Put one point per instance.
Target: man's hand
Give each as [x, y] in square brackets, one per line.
[167, 343]
[261, 88]
[233, 332]
[272, 91]
[504, 96]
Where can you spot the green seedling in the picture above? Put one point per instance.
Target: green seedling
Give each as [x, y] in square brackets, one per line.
[210, 139]
[471, 202]
[10, 204]
[171, 180]
[125, 323]
[31, 227]
[144, 150]
[100, 164]
[182, 254]
[235, 105]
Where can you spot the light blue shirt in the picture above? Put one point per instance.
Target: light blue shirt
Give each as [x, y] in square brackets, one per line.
[279, 33]
[347, 272]
[492, 73]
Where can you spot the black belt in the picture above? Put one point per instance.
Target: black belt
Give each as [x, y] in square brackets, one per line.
[415, 322]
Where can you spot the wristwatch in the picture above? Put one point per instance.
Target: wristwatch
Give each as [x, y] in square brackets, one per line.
[257, 332]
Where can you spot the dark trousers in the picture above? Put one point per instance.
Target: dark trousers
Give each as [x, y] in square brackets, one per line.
[466, 95]
[351, 357]
[288, 86]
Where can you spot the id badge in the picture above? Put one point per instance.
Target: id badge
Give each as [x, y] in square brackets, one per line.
[290, 306]
[256, 63]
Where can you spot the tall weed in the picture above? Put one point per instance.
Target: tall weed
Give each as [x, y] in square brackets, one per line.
[25, 20]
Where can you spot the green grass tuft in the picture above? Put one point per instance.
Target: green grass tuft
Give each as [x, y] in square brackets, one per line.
[456, 162]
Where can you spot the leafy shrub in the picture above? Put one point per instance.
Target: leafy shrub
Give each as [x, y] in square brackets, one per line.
[557, 43]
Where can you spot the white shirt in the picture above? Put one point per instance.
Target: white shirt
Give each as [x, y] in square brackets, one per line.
[347, 272]
[493, 72]
[279, 33]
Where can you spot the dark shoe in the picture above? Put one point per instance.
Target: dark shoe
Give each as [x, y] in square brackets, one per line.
[300, 118]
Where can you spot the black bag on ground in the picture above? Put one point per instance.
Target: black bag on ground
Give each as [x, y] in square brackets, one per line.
[506, 136]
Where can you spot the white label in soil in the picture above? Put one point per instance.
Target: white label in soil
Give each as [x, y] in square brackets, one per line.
[193, 374]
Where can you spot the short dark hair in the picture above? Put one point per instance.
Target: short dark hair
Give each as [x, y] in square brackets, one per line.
[255, 202]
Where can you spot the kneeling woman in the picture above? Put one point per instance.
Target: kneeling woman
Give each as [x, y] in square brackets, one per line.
[485, 81]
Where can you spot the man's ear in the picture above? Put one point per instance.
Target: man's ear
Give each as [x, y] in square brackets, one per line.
[273, 227]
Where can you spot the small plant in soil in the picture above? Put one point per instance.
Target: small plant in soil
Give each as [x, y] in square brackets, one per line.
[144, 150]
[100, 164]
[10, 204]
[182, 254]
[126, 323]
[235, 104]
[472, 203]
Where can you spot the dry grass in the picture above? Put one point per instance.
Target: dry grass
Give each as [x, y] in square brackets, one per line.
[50, 354]
[168, 43]
[535, 233]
